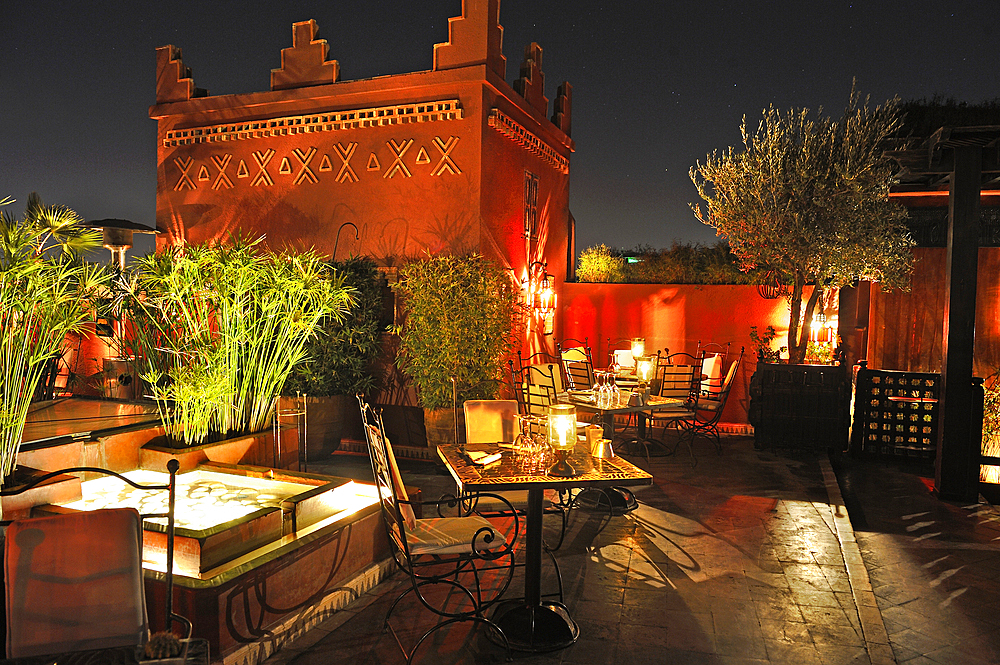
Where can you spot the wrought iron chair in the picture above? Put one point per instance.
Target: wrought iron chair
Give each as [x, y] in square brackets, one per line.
[709, 408]
[439, 552]
[578, 364]
[620, 356]
[678, 376]
[714, 357]
[495, 421]
[74, 587]
[537, 386]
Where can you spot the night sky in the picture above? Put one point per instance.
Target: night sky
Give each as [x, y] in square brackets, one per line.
[656, 85]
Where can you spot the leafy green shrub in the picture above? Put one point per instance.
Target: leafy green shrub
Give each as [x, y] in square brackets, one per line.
[682, 263]
[341, 356]
[460, 313]
[761, 344]
[600, 264]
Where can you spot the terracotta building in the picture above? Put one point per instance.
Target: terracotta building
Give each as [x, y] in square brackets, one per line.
[449, 160]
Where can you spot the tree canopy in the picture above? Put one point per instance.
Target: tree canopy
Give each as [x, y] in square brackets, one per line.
[807, 196]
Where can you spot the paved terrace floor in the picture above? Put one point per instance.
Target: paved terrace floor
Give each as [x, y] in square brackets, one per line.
[749, 557]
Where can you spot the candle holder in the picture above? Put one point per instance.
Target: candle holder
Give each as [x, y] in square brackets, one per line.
[638, 347]
[562, 438]
[644, 369]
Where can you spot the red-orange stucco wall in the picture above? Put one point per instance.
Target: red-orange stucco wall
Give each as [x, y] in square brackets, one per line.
[674, 316]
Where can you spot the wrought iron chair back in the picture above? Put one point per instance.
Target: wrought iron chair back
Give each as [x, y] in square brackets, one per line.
[679, 376]
[578, 366]
[440, 551]
[540, 388]
[709, 408]
[714, 356]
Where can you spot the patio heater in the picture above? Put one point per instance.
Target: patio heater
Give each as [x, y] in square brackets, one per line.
[117, 237]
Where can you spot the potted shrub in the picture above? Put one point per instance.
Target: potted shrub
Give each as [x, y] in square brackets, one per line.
[46, 292]
[340, 358]
[218, 328]
[807, 199]
[459, 318]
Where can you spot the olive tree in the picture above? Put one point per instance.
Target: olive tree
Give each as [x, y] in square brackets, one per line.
[807, 196]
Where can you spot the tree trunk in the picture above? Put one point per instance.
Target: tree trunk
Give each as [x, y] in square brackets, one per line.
[798, 339]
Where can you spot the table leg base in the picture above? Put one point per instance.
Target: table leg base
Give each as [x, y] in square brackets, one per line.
[617, 500]
[535, 628]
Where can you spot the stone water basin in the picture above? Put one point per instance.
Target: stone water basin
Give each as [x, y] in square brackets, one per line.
[224, 513]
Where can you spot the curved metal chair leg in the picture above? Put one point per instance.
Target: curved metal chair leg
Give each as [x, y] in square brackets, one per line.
[477, 619]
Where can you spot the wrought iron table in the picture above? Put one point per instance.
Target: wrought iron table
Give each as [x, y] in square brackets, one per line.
[531, 624]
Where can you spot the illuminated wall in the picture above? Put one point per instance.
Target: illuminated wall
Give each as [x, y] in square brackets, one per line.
[676, 317]
[443, 161]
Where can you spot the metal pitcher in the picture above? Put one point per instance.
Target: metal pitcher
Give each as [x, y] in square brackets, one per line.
[602, 449]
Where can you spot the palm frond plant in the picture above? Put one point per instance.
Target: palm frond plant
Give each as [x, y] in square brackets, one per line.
[218, 329]
[46, 292]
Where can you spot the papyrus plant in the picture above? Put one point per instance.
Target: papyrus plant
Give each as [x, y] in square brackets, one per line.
[46, 292]
[218, 328]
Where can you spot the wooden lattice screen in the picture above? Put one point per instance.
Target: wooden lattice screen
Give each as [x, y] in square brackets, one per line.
[895, 413]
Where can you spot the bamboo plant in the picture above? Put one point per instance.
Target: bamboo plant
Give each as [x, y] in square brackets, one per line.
[461, 315]
[46, 292]
[218, 328]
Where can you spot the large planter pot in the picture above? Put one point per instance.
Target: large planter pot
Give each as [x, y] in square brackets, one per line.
[257, 449]
[326, 420]
[800, 406]
[439, 425]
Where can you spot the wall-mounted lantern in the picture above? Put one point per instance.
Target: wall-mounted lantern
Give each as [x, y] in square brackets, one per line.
[539, 296]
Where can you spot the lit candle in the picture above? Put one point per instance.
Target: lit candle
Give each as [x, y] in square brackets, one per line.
[638, 347]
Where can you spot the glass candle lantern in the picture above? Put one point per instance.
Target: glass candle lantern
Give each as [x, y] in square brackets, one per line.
[638, 347]
[644, 367]
[562, 437]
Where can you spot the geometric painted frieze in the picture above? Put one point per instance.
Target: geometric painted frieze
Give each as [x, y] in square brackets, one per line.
[513, 130]
[380, 116]
[307, 164]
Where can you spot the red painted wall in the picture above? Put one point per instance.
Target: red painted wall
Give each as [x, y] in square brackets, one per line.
[674, 316]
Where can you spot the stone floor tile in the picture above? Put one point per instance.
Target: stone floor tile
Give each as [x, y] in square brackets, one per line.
[778, 611]
[836, 634]
[780, 653]
[824, 616]
[787, 632]
[805, 595]
[843, 655]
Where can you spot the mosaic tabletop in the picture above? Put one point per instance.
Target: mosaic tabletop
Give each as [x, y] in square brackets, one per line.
[517, 471]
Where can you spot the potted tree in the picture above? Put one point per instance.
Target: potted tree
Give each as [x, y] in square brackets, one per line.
[218, 328]
[46, 292]
[340, 358]
[807, 198]
[459, 318]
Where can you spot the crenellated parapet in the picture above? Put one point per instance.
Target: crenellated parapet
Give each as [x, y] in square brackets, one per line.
[531, 85]
[173, 79]
[474, 38]
[305, 63]
[562, 110]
